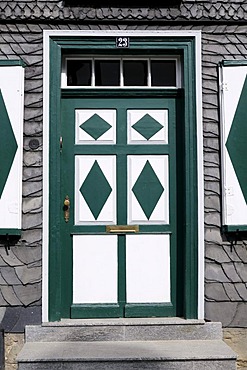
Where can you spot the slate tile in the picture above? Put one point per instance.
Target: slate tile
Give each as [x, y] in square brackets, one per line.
[242, 291]
[230, 271]
[28, 275]
[28, 294]
[32, 189]
[216, 253]
[32, 237]
[214, 273]
[231, 252]
[34, 220]
[16, 318]
[10, 259]
[216, 292]
[242, 253]
[216, 311]
[32, 174]
[241, 269]
[10, 296]
[9, 275]
[232, 292]
[240, 314]
[32, 205]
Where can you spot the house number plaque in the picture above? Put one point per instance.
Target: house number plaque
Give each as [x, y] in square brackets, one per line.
[122, 42]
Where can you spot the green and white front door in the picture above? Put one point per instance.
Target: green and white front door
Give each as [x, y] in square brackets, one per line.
[119, 168]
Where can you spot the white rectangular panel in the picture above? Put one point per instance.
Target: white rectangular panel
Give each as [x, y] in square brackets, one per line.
[151, 173]
[95, 272]
[148, 268]
[12, 96]
[97, 205]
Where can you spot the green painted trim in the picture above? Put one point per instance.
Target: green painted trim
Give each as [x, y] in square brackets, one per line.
[191, 193]
[121, 273]
[111, 149]
[101, 229]
[149, 310]
[6, 232]
[12, 63]
[234, 228]
[232, 63]
[85, 93]
[55, 253]
[185, 46]
[92, 311]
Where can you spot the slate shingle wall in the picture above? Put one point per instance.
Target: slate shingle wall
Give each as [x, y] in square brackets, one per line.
[187, 11]
[226, 265]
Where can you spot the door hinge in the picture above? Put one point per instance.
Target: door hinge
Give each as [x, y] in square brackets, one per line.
[224, 86]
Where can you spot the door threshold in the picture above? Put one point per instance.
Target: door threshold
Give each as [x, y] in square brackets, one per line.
[126, 322]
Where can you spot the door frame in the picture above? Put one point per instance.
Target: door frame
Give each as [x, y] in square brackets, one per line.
[188, 45]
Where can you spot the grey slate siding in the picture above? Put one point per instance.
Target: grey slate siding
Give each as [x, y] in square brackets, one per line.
[225, 264]
[187, 11]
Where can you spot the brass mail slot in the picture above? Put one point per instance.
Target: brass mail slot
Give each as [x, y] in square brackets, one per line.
[122, 228]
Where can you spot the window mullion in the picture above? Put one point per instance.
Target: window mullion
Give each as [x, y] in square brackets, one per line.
[149, 73]
[93, 73]
[121, 73]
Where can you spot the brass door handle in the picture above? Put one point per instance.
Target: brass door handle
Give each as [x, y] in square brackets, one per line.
[66, 208]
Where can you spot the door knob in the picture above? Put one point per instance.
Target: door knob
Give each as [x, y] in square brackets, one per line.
[66, 207]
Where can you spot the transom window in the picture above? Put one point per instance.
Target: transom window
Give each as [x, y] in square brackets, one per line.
[121, 72]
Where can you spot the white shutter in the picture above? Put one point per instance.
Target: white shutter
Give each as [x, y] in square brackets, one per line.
[233, 84]
[11, 146]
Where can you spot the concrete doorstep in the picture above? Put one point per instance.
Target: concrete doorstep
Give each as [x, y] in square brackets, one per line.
[172, 354]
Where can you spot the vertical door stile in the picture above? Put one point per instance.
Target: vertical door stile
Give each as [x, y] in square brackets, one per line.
[121, 204]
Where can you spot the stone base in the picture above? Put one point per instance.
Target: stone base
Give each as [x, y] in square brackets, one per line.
[236, 338]
[13, 345]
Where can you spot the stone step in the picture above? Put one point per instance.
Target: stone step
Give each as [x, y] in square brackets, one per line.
[170, 355]
[124, 330]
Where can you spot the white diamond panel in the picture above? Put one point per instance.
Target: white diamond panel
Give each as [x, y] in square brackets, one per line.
[161, 116]
[83, 214]
[160, 166]
[82, 137]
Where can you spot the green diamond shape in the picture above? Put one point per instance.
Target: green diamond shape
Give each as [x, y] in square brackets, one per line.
[95, 190]
[147, 126]
[8, 145]
[237, 139]
[95, 126]
[148, 189]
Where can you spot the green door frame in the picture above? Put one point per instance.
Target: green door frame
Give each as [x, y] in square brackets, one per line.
[150, 45]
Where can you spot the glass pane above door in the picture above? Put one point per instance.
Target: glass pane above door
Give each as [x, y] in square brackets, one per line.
[121, 72]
